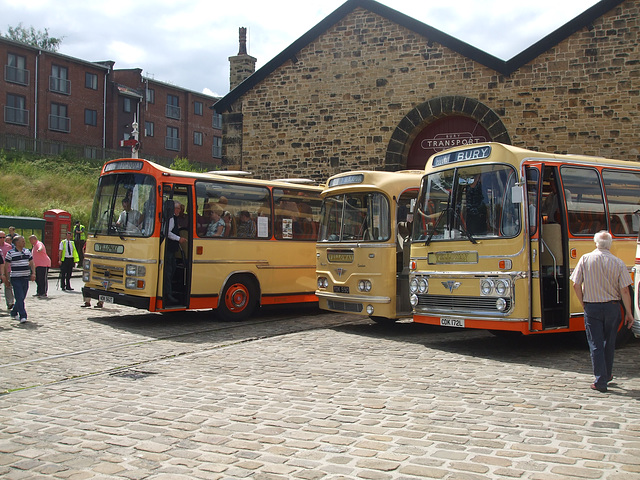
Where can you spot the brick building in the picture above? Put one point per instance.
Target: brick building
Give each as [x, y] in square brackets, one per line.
[52, 103]
[369, 87]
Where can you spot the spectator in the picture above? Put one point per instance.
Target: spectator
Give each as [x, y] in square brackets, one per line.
[5, 246]
[68, 258]
[22, 270]
[42, 263]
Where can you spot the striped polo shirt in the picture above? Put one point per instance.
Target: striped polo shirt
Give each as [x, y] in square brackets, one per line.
[19, 262]
[602, 276]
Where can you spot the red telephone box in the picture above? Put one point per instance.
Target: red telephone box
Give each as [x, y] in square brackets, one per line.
[57, 224]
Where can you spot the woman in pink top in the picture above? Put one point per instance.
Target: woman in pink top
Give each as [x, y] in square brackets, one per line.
[42, 263]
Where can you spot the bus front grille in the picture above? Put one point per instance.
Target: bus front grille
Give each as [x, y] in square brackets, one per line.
[106, 272]
[345, 306]
[454, 304]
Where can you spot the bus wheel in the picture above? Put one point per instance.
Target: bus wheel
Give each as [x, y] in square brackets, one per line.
[383, 320]
[238, 300]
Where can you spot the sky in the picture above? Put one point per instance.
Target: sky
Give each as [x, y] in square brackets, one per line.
[188, 43]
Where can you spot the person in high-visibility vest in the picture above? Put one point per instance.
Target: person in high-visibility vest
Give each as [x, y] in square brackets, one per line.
[68, 258]
[79, 238]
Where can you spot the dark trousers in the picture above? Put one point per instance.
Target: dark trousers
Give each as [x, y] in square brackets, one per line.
[601, 322]
[42, 285]
[65, 273]
[20, 288]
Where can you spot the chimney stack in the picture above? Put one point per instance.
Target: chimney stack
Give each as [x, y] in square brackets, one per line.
[242, 65]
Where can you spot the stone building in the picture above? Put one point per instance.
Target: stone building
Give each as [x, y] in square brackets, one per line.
[371, 88]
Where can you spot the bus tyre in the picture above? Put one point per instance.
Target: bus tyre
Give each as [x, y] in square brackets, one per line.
[238, 301]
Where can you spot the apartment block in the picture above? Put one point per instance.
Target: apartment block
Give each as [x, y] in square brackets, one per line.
[52, 103]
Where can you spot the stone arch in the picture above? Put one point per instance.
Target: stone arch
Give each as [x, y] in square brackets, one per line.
[436, 108]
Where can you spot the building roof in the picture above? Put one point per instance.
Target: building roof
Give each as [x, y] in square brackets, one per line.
[505, 67]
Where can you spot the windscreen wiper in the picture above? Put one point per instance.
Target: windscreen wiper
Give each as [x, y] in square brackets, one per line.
[463, 228]
[435, 225]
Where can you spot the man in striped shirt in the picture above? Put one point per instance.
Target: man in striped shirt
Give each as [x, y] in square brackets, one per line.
[600, 281]
[22, 270]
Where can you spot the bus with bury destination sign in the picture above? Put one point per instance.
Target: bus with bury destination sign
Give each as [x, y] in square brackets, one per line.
[498, 231]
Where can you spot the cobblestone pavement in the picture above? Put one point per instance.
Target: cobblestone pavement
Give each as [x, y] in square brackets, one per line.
[301, 394]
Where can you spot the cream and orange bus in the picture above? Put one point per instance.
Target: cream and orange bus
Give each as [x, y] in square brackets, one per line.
[362, 253]
[498, 231]
[265, 255]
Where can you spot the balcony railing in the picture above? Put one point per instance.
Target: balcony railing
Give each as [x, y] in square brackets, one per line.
[16, 75]
[19, 116]
[172, 143]
[60, 85]
[173, 112]
[59, 124]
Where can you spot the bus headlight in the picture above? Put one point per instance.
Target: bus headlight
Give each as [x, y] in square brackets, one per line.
[323, 282]
[501, 304]
[423, 285]
[486, 287]
[136, 270]
[364, 285]
[413, 285]
[502, 287]
[86, 264]
[413, 300]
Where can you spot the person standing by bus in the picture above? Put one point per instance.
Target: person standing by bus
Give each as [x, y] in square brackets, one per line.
[42, 263]
[600, 281]
[5, 246]
[79, 238]
[22, 270]
[171, 248]
[68, 259]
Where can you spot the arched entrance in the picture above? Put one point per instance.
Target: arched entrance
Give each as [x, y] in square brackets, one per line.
[441, 123]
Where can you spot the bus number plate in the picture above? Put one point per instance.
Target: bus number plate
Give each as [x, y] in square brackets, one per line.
[105, 298]
[340, 289]
[451, 322]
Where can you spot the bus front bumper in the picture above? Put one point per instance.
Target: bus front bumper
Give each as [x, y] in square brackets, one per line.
[116, 298]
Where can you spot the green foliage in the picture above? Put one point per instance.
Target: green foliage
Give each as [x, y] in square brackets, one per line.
[39, 38]
[181, 163]
[31, 184]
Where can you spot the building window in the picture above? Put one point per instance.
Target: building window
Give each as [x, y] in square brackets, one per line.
[172, 141]
[15, 71]
[91, 80]
[197, 108]
[217, 147]
[173, 107]
[217, 120]
[59, 80]
[197, 138]
[148, 129]
[151, 95]
[90, 117]
[14, 110]
[58, 119]
[126, 105]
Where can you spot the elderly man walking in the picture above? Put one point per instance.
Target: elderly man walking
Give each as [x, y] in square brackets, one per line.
[600, 281]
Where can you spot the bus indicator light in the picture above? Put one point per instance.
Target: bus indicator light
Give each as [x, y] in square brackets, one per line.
[504, 264]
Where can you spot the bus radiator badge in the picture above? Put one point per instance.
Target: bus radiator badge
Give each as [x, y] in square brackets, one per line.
[106, 284]
[451, 285]
[340, 271]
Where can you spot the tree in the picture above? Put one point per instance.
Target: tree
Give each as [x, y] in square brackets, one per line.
[38, 38]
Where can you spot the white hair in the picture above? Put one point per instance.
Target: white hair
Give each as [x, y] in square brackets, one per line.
[603, 239]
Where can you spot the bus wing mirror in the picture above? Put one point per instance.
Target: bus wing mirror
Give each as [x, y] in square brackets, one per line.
[517, 194]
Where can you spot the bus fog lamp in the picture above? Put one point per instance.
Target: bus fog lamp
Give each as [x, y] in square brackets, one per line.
[502, 287]
[136, 270]
[85, 276]
[364, 285]
[131, 282]
[323, 282]
[369, 309]
[86, 264]
[423, 285]
[413, 285]
[486, 287]
[501, 304]
[413, 299]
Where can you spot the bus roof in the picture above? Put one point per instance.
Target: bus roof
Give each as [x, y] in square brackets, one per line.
[391, 182]
[145, 166]
[478, 152]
